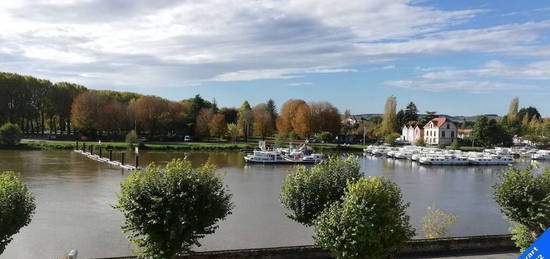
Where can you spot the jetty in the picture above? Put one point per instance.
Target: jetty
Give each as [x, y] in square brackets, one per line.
[109, 160]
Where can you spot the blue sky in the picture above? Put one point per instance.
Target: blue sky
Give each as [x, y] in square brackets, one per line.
[453, 57]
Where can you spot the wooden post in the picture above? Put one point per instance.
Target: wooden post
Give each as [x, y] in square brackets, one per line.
[122, 158]
[110, 154]
[137, 161]
[91, 149]
[100, 151]
[84, 147]
[76, 145]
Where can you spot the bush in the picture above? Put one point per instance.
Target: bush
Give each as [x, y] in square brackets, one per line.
[167, 210]
[436, 223]
[441, 146]
[309, 191]
[420, 142]
[524, 198]
[326, 136]
[455, 145]
[391, 138]
[369, 223]
[10, 134]
[16, 207]
[132, 137]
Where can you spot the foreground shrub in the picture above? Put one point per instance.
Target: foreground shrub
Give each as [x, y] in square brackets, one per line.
[167, 210]
[524, 198]
[10, 134]
[16, 207]
[370, 222]
[308, 191]
[436, 223]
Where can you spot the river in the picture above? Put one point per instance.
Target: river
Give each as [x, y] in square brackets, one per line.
[74, 196]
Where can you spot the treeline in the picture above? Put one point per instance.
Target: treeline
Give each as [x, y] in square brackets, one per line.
[41, 107]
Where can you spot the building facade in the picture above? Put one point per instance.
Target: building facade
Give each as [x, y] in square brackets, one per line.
[412, 133]
[439, 131]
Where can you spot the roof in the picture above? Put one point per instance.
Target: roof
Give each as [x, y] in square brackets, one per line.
[465, 131]
[437, 122]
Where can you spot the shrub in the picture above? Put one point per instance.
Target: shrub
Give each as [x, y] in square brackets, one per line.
[455, 145]
[326, 136]
[16, 207]
[420, 142]
[10, 134]
[436, 223]
[132, 137]
[369, 223]
[167, 210]
[309, 191]
[391, 138]
[441, 146]
[524, 198]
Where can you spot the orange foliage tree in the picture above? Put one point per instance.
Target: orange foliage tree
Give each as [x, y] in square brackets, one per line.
[288, 112]
[147, 111]
[301, 122]
[203, 120]
[86, 112]
[325, 117]
[218, 125]
[263, 121]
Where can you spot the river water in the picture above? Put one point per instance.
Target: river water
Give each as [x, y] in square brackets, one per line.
[74, 194]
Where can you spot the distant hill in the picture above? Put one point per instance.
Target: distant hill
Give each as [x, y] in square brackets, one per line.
[452, 118]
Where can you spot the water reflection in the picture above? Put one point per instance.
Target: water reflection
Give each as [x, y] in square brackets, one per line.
[74, 196]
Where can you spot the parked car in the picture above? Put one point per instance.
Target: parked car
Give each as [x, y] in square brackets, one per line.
[143, 139]
[187, 139]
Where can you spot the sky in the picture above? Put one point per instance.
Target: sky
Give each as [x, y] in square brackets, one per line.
[454, 57]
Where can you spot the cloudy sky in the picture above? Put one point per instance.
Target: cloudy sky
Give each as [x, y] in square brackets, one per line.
[455, 57]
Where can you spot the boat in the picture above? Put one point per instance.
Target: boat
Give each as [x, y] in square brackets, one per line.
[302, 155]
[541, 155]
[443, 160]
[491, 160]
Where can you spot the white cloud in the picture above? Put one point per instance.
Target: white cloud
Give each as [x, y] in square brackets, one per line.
[300, 84]
[466, 86]
[496, 69]
[169, 42]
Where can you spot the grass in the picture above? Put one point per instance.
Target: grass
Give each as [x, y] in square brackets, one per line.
[67, 145]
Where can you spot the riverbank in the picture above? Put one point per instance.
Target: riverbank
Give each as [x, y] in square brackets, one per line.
[30, 144]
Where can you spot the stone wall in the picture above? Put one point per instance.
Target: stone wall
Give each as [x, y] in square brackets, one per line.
[417, 247]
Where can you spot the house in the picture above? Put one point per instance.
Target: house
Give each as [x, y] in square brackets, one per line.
[464, 133]
[412, 133]
[439, 131]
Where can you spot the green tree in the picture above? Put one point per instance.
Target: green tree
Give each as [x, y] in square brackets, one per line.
[370, 222]
[232, 131]
[528, 114]
[391, 138]
[167, 210]
[308, 191]
[455, 145]
[16, 207]
[245, 119]
[10, 134]
[420, 142]
[513, 109]
[132, 138]
[523, 197]
[326, 136]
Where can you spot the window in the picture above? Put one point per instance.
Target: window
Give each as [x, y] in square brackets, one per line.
[448, 126]
[452, 134]
[442, 134]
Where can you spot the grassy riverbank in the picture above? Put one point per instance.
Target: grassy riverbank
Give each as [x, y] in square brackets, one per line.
[68, 145]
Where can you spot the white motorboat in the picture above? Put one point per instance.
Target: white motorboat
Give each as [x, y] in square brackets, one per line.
[491, 160]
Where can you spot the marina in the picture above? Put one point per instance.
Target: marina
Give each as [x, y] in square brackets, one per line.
[301, 155]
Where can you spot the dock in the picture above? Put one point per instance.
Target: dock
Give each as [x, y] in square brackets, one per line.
[108, 160]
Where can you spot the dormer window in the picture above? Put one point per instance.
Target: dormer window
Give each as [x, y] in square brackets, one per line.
[448, 126]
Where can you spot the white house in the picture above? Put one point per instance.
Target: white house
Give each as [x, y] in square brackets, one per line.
[412, 133]
[439, 131]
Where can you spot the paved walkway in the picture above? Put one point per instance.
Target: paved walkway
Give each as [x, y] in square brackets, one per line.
[503, 255]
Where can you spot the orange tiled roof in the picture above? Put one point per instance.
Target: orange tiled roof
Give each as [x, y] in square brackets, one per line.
[437, 122]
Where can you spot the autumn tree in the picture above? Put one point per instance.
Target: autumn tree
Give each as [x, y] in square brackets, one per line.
[325, 117]
[218, 125]
[288, 112]
[245, 119]
[230, 114]
[389, 122]
[203, 122]
[147, 111]
[302, 122]
[263, 121]
[86, 112]
[114, 117]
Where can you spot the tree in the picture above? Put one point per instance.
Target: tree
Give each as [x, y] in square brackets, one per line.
[148, 112]
[420, 142]
[389, 121]
[218, 125]
[10, 134]
[16, 207]
[272, 110]
[523, 197]
[168, 209]
[232, 131]
[391, 138]
[264, 125]
[430, 115]
[455, 145]
[411, 113]
[513, 109]
[288, 112]
[308, 191]
[132, 138]
[528, 114]
[325, 117]
[370, 222]
[302, 121]
[230, 114]
[203, 122]
[326, 136]
[436, 223]
[245, 120]
[86, 112]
